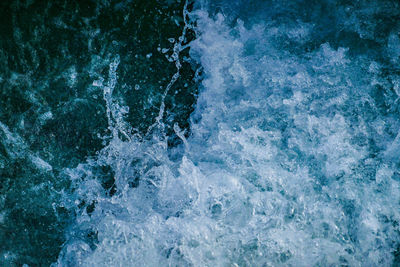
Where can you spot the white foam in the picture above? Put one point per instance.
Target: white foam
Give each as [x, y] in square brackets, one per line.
[274, 172]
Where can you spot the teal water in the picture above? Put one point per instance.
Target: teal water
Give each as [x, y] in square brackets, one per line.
[53, 114]
[200, 133]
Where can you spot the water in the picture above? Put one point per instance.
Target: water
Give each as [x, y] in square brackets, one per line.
[289, 156]
[53, 56]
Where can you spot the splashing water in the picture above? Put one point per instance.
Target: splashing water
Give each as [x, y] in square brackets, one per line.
[53, 113]
[292, 158]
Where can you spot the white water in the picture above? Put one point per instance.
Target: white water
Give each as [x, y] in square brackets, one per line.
[277, 169]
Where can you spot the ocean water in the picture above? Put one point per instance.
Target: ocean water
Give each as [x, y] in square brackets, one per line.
[201, 133]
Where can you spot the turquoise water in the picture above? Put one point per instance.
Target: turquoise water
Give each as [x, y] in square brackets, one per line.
[201, 133]
[53, 114]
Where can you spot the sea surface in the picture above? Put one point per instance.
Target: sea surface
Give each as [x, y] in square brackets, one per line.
[199, 133]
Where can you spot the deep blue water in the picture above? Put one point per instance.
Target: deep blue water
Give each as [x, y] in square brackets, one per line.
[200, 133]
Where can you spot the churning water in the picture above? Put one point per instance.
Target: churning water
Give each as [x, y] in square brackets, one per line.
[290, 155]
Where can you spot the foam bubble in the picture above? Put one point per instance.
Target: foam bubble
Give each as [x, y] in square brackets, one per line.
[281, 167]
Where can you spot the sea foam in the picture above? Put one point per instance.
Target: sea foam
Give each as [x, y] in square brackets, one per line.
[289, 162]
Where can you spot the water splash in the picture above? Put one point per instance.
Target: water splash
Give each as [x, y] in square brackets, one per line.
[177, 49]
[291, 161]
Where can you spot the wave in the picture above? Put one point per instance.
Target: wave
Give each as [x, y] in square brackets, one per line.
[291, 158]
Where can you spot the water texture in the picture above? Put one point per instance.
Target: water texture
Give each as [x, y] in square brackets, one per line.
[265, 133]
[54, 56]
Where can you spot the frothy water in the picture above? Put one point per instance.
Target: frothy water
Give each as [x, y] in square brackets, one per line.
[54, 63]
[292, 158]
[289, 155]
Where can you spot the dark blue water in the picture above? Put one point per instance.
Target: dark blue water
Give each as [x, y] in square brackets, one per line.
[200, 133]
